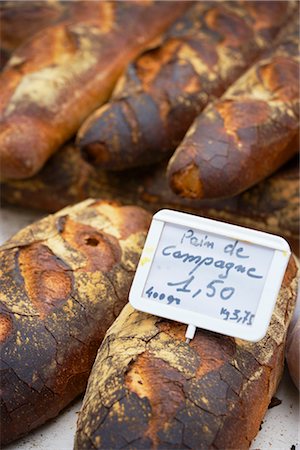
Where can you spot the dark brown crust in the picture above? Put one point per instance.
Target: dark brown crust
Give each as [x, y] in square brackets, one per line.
[48, 281]
[166, 87]
[292, 352]
[65, 179]
[245, 136]
[57, 78]
[4, 57]
[63, 281]
[272, 205]
[21, 20]
[149, 389]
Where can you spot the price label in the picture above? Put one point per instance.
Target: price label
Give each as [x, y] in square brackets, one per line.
[210, 274]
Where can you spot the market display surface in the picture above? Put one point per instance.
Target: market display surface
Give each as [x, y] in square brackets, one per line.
[129, 108]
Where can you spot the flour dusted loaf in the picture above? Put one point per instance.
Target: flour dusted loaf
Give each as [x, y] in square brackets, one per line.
[244, 136]
[19, 20]
[149, 389]
[272, 205]
[58, 77]
[165, 88]
[63, 281]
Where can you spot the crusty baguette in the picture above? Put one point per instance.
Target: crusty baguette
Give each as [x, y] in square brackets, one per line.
[63, 281]
[20, 20]
[243, 137]
[166, 87]
[272, 205]
[150, 389]
[58, 77]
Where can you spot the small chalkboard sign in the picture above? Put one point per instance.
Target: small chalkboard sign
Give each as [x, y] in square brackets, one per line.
[210, 274]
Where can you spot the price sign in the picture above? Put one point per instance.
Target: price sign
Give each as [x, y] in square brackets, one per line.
[210, 274]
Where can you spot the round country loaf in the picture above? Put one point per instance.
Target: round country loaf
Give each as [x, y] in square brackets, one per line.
[63, 281]
[149, 389]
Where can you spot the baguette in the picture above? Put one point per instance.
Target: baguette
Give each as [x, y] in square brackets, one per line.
[243, 137]
[271, 206]
[4, 56]
[149, 389]
[19, 20]
[56, 79]
[165, 88]
[63, 281]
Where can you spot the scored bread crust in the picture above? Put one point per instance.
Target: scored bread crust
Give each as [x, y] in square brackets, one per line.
[166, 87]
[149, 389]
[244, 136]
[21, 20]
[63, 280]
[64, 72]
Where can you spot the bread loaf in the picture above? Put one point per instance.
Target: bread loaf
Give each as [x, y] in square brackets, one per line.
[166, 88]
[293, 353]
[19, 20]
[63, 281]
[243, 137]
[56, 79]
[272, 205]
[149, 389]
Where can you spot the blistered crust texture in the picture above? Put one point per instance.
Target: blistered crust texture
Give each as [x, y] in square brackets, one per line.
[165, 88]
[245, 135]
[63, 281]
[149, 389]
[60, 75]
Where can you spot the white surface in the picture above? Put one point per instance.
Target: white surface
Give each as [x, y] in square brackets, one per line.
[216, 276]
[280, 428]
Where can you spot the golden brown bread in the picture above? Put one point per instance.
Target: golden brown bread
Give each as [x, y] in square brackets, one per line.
[149, 389]
[20, 20]
[58, 77]
[166, 87]
[271, 206]
[63, 281]
[245, 136]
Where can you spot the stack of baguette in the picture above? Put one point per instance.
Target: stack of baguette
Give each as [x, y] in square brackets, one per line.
[141, 105]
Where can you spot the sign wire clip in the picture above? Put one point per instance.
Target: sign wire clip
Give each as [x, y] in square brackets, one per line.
[190, 333]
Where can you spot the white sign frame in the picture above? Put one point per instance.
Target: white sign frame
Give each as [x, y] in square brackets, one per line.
[270, 290]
